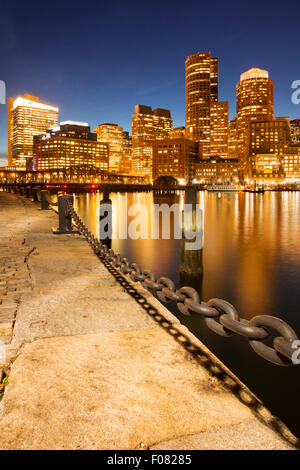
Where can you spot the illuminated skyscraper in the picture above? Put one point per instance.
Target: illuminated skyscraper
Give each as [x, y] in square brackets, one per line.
[232, 139]
[70, 144]
[201, 88]
[125, 164]
[254, 101]
[27, 117]
[219, 129]
[147, 126]
[113, 135]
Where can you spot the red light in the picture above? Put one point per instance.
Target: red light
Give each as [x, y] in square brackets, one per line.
[65, 186]
[47, 186]
[93, 186]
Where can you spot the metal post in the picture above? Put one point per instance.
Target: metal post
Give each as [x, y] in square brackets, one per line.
[64, 218]
[35, 194]
[44, 200]
[28, 191]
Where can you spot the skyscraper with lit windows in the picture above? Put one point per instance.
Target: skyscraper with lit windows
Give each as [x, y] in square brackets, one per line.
[219, 129]
[201, 89]
[113, 135]
[254, 101]
[27, 117]
[147, 126]
[71, 144]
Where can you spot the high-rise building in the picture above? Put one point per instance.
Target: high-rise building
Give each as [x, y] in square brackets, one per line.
[201, 88]
[232, 139]
[113, 135]
[254, 101]
[295, 131]
[177, 157]
[219, 129]
[70, 144]
[125, 164]
[27, 117]
[147, 126]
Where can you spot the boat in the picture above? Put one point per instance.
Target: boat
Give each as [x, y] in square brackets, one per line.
[255, 189]
[222, 188]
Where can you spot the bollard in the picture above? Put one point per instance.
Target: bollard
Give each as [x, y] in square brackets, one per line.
[28, 191]
[64, 218]
[105, 220]
[44, 200]
[35, 194]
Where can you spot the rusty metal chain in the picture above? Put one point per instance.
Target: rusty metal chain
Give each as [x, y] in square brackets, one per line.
[219, 315]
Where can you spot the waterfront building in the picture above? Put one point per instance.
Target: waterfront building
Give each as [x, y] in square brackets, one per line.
[295, 131]
[201, 88]
[291, 162]
[113, 135]
[70, 144]
[147, 126]
[177, 157]
[219, 129]
[268, 136]
[254, 101]
[218, 170]
[27, 117]
[266, 167]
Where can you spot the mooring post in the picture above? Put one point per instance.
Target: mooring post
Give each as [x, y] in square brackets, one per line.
[35, 194]
[44, 200]
[64, 217]
[28, 191]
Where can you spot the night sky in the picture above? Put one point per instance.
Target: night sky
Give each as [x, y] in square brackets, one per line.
[95, 60]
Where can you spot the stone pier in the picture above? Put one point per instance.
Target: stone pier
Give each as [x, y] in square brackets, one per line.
[98, 363]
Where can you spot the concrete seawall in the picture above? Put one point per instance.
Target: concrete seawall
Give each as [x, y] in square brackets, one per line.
[98, 363]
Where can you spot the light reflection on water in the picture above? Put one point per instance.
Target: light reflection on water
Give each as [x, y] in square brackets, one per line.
[251, 257]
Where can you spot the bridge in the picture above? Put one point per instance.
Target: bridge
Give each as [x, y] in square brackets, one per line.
[85, 174]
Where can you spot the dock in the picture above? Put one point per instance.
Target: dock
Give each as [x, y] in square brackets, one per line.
[94, 361]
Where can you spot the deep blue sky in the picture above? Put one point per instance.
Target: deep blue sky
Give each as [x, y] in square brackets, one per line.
[96, 60]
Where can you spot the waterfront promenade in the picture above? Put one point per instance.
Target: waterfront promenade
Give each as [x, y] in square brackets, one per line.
[100, 365]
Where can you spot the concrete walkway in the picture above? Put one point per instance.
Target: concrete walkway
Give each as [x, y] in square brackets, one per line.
[97, 367]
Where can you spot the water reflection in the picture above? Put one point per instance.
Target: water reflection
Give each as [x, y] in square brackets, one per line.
[250, 257]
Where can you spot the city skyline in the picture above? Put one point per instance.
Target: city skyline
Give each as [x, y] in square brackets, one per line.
[107, 86]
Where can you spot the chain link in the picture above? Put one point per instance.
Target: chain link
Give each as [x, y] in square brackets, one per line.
[219, 315]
